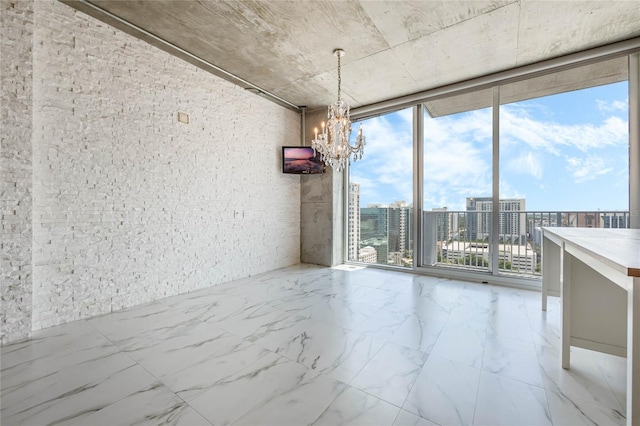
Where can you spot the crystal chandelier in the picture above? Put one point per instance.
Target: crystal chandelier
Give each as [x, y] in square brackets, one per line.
[333, 141]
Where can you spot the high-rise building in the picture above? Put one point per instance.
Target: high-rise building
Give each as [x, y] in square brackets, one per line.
[368, 254]
[374, 230]
[387, 228]
[373, 222]
[354, 221]
[443, 229]
[397, 226]
[512, 219]
[478, 223]
[408, 245]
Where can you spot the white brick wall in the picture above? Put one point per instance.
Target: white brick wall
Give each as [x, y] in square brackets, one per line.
[16, 26]
[129, 204]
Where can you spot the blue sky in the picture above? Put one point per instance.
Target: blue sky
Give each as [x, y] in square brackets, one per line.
[561, 152]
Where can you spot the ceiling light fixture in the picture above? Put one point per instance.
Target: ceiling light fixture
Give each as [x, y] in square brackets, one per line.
[333, 141]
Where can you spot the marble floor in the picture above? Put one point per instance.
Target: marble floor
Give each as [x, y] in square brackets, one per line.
[313, 345]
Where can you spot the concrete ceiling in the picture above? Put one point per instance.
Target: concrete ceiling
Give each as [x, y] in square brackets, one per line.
[393, 48]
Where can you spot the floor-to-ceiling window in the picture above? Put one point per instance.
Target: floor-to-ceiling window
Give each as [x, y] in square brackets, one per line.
[380, 193]
[457, 181]
[564, 160]
[546, 150]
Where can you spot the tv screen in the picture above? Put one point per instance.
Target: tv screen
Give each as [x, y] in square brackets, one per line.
[301, 161]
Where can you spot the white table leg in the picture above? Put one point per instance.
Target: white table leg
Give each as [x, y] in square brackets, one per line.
[545, 274]
[633, 353]
[565, 291]
[551, 269]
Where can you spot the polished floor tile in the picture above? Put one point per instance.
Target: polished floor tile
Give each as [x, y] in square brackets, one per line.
[331, 350]
[273, 390]
[315, 345]
[583, 382]
[445, 392]
[152, 406]
[565, 411]
[504, 401]
[354, 407]
[405, 418]
[391, 373]
[73, 393]
[461, 344]
[512, 358]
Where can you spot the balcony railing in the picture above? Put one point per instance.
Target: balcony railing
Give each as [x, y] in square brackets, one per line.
[460, 239]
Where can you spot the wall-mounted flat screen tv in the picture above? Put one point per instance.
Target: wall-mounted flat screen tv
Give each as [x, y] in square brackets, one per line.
[300, 160]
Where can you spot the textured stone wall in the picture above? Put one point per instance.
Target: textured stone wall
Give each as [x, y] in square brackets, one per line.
[131, 205]
[16, 29]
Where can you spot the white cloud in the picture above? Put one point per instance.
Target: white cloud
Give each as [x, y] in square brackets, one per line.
[387, 159]
[507, 191]
[517, 126]
[369, 188]
[587, 168]
[612, 106]
[458, 150]
[620, 177]
[525, 164]
[406, 115]
[457, 159]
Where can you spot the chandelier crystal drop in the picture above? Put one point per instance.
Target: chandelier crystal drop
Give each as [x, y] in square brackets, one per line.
[333, 140]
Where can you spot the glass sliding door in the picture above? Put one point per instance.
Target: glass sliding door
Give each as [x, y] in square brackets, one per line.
[564, 158]
[457, 181]
[380, 193]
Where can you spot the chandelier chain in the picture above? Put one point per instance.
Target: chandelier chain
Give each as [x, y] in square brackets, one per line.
[339, 76]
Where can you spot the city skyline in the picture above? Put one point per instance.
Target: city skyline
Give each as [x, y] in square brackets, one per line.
[382, 233]
[562, 152]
